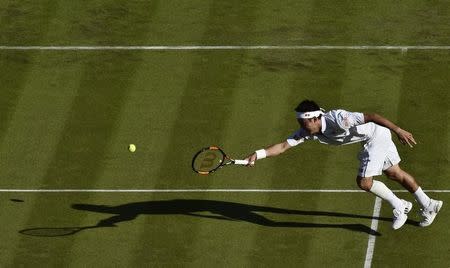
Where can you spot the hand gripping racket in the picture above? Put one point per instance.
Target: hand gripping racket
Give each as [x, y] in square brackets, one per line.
[210, 159]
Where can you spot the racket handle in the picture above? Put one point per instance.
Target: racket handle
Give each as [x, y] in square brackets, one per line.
[241, 162]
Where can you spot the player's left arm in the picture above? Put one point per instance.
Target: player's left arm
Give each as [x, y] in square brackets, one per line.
[404, 136]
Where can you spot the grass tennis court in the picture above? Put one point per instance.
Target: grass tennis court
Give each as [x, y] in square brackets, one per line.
[67, 117]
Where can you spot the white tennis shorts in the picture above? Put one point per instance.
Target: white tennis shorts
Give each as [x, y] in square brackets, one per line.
[378, 154]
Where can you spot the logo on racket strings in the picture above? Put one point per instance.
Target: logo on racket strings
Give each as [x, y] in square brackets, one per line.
[208, 161]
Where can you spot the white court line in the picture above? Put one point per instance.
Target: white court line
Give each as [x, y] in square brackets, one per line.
[181, 190]
[403, 48]
[197, 191]
[372, 237]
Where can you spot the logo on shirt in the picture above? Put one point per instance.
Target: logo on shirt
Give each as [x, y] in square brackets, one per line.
[346, 122]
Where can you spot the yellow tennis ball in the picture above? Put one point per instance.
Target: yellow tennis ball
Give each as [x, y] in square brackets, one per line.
[132, 148]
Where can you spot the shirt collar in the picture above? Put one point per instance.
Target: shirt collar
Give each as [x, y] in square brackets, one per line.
[324, 123]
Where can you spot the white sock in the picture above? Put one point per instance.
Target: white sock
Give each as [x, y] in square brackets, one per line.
[422, 198]
[382, 191]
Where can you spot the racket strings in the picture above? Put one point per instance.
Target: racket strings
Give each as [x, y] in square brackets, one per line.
[208, 160]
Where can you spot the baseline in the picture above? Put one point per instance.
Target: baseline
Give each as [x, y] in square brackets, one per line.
[197, 191]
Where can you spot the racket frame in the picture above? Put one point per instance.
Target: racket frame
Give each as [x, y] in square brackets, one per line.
[226, 160]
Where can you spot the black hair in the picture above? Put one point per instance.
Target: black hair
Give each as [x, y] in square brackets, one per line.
[307, 106]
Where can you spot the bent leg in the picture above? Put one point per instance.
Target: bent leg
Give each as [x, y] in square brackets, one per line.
[430, 207]
[379, 189]
[406, 180]
[399, 175]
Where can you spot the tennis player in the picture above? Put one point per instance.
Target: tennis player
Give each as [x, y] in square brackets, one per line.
[378, 155]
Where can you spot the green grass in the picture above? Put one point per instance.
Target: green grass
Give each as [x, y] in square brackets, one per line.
[67, 117]
[244, 232]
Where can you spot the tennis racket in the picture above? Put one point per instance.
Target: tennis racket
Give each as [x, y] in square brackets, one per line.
[210, 159]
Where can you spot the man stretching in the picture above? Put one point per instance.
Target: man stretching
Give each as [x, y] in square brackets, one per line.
[378, 155]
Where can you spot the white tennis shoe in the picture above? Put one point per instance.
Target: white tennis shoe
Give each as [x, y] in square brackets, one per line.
[400, 215]
[428, 214]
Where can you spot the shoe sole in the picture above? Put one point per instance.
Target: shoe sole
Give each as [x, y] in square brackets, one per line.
[437, 208]
[400, 225]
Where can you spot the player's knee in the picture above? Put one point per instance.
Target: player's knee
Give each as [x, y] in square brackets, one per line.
[364, 183]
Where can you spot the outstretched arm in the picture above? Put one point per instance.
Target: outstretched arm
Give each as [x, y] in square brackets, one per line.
[404, 136]
[270, 151]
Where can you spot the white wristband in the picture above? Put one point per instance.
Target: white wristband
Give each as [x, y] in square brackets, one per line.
[260, 154]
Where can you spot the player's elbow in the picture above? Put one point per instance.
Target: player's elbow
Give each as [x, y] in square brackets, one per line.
[370, 117]
[284, 147]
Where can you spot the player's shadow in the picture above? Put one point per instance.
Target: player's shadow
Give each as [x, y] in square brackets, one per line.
[222, 210]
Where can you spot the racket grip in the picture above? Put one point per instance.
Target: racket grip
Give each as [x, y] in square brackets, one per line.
[241, 162]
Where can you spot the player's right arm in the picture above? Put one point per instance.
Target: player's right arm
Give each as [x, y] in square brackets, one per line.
[404, 136]
[270, 151]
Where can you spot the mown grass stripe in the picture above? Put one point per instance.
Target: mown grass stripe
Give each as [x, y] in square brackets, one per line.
[327, 67]
[203, 109]
[22, 71]
[104, 84]
[424, 107]
[16, 66]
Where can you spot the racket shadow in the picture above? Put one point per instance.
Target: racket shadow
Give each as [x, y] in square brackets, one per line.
[222, 210]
